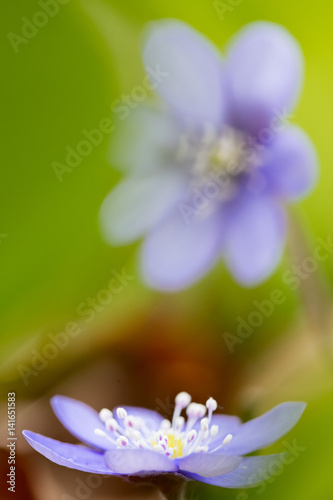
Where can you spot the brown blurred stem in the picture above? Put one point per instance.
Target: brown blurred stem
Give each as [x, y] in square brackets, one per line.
[169, 486]
[173, 491]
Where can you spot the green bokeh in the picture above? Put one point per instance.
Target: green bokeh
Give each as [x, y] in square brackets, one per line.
[63, 81]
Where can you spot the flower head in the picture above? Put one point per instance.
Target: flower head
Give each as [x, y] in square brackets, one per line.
[139, 442]
[209, 173]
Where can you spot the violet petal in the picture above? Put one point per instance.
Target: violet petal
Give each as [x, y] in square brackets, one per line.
[80, 420]
[264, 71]
[262, 431]
[135, 461]
[193, 84]
[255, 238]
[208, 464]
[176, 254]
[251, 472]
[290, 164]
[69, 455]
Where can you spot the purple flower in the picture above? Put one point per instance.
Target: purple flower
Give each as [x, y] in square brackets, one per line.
[209, 174]
[139, 442]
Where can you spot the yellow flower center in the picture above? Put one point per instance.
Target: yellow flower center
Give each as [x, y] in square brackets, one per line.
[175, 442]
[214, 151]
[227, 153]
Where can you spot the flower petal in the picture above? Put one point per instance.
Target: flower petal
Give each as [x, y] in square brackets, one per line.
[251, 472]
[145, 142]
[291, 164]
[208, 464]
[129, 461]
[176, 254]
[227, 424]
[69, 455]
[266, 429]
[264, 71]
[137, 204]
[151, 418]
[80, 420]
[255, 238]
[193, 85]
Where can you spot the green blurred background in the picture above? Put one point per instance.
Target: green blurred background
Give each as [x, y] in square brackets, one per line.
[144, 346]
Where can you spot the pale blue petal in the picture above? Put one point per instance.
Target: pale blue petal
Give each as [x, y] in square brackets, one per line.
[251, 472]
[266, 429]
[69, 455]
[255, 238]
[264, 71]
[80, 420]
[290, 164]
[177, 253]
[145, 142]
[140, 462]
[138, 203]
[208, 464]
[193, 86]
[227, 424]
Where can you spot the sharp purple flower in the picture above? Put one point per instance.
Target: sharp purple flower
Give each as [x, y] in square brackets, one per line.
[130, 441]
[209, 174]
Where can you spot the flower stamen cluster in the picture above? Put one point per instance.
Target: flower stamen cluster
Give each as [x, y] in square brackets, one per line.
[174, 439]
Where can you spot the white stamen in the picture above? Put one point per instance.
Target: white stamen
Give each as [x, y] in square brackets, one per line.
[204, 424]
[122, 442]
[227, 439]
[214, 430]
[136, 435]
[160, 436]
[134, 432]
[100, 433]
[112, 425]
[105, 414]
[165, 425]
[211, 404]
[161, 448]
[121, 413]
[201, 449]
[130, 421]
[183, 399]
[142, 444]
[195, 410]
[191, 436]
[180, 423]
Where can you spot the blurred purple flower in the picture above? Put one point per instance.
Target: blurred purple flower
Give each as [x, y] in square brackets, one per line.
[136, 441]
[209, 175]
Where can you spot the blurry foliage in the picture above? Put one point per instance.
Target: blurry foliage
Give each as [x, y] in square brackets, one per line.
[64, 80]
